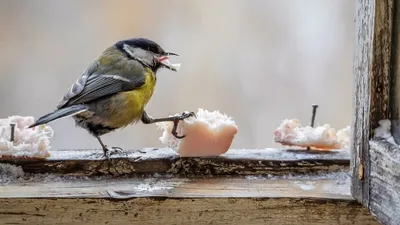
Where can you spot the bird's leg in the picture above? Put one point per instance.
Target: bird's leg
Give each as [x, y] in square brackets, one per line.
[146, 119]
[107, 152]
[107, 155]
[105, 149]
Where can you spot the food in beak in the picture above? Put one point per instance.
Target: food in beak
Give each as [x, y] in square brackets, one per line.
[165, 61]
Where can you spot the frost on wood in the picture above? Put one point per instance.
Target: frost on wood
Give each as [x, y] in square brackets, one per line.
[207, 134]
[10, 172]
[291, 133]
[28, 142]
[384, 132]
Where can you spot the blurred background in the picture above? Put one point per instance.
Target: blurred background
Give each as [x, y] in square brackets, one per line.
[259, 61]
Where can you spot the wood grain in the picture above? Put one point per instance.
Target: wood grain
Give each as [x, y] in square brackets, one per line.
[171, 200]
[149, 161]
[385, 182]
[395, 75]
[331, 186]
[372, 63]
[249, 211]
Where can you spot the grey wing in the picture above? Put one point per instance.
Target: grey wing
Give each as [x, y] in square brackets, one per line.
[93, 85]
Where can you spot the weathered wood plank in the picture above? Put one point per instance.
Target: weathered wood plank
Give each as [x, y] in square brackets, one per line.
[328, 186]
[395, 75]
[249, 211]
[148, 161]
[372, 60]
[385, 182]
[323, 199]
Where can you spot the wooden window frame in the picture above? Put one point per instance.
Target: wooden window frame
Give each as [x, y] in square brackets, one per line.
[375, 163]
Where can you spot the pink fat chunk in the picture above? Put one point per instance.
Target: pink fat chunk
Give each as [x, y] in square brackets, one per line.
[210, 134]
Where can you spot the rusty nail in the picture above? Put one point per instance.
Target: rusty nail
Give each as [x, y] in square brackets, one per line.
[314, 111]
[12, 132]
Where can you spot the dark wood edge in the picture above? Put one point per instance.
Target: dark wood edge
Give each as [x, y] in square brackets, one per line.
[149, 161]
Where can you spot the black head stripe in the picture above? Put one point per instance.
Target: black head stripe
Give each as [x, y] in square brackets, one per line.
[142, 43]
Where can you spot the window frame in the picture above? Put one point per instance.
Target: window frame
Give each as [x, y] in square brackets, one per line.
[375, 161]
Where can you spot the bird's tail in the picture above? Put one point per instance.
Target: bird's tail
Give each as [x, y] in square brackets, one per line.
[59, 113]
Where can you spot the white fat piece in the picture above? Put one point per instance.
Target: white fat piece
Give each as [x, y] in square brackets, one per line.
[170, 65]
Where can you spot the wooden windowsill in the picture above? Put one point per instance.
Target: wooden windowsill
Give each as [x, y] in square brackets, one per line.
[334, 186]
[264, 186]
[164, 160]
[176, 200]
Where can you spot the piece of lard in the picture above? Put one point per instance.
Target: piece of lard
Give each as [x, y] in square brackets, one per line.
[28, 142]
[291, 133]
[207, 134]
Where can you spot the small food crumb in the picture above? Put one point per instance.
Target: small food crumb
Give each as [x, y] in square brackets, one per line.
[207, 134]
[28, 142]
[291, 133]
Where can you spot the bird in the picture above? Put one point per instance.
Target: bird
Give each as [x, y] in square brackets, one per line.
[114, 90]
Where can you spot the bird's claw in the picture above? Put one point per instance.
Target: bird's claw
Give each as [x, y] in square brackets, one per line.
[116, 150]
[177, 136]
[108, 152]
[106, 155]
[184, 115]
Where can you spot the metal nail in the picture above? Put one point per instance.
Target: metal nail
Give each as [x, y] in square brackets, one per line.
[314, 111]
[12, 132]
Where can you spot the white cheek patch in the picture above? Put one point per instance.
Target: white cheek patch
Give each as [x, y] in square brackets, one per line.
[128, 50]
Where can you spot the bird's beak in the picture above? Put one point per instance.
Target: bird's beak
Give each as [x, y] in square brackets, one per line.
[164, 60]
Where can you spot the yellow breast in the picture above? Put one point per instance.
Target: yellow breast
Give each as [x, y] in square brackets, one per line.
[130, 105]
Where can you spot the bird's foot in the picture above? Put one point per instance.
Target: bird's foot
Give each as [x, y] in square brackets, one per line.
[184, 115]
[118, 150]
[114, 150]
[106, 154]
[111, 165]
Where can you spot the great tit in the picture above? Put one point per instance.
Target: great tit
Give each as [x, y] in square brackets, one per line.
[114, 90]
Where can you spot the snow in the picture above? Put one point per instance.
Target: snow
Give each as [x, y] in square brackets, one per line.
[207, 134]
[282, 154]
[384, 131]
[341, 176]
[9, 173]
[14, 174]
[307, 182]
[290, 132]
[305, 185]
[28, 142]
[154, 184]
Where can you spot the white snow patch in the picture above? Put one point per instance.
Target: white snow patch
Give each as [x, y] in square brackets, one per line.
[9, 173]
[282, 154]
[155, 184]
[305, 185]
[384, 131]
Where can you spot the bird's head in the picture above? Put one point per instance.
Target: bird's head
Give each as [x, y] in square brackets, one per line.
[148, 53]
